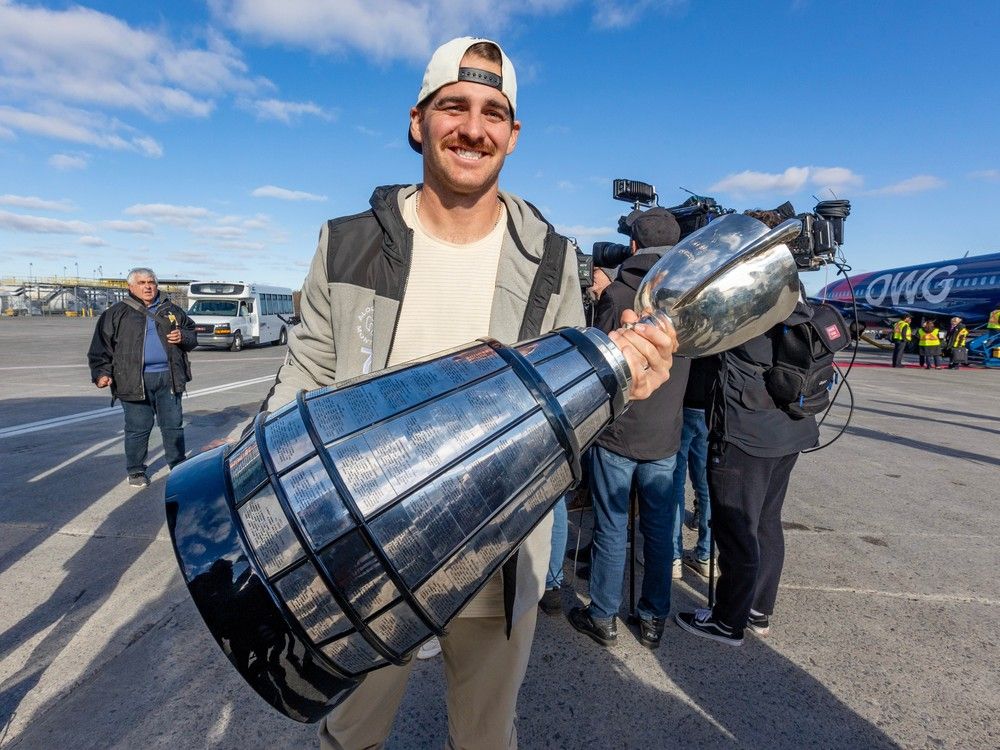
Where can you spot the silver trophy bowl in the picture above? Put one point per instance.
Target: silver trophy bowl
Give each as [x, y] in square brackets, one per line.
[723, 285]
[354, 523]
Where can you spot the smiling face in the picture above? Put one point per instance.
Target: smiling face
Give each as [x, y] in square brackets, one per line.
[466, 130]
[143, 287]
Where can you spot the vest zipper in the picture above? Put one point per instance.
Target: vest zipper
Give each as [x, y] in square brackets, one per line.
[408, 254]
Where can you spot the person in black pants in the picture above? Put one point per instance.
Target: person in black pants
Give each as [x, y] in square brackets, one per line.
[901, 335]
[753, 447]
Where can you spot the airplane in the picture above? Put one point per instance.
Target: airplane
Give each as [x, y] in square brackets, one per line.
[968, 288]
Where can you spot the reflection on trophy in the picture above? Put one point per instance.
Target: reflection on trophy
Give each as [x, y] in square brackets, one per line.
[357, 521]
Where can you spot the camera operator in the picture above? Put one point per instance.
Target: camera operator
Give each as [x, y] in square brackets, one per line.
[640, 446]
[602, 280]
[753, 446]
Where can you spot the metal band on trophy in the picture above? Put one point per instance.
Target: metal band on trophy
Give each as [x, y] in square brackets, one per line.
[357, 521]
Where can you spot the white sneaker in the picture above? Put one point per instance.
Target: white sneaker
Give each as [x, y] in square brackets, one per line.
[678, 571]
[430, 649]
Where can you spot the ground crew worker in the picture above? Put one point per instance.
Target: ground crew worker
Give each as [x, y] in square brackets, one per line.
[930, 345]
[901, 336]
[993, 326]
[955, 344]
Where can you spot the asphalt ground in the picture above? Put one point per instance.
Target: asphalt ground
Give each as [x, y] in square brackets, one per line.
[885, 633]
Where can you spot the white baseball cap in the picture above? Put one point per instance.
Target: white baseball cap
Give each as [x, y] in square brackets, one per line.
[445, 67]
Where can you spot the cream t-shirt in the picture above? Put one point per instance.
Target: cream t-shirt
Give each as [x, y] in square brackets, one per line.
[448, 299]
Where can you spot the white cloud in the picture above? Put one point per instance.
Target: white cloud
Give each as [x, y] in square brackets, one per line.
[615, 14]
[270, 191]
[581, 232]
[387, 29]
[384, 30]
[42, 225]
[60, 68]
[68, 161]
[260, 221]
[79, 127]
[129, 227]
[917, 184]
[92, 241]
[190, 256]
[219, 232]
[287, 112]
[35, 204]
[90, 58]
[167, 213]
[990, 175]
[791, 180]
[242, 245]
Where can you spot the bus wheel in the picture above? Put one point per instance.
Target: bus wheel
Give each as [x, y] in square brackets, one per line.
[282, 338]
[237, 344]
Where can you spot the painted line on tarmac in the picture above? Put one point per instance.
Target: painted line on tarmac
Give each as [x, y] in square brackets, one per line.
[77, 457]
[943, 598]
[87, 367]
[86, 416]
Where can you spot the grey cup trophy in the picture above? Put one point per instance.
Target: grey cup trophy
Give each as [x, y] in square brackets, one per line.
[355, 522]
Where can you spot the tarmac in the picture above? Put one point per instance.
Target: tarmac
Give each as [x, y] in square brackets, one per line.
[885, 633]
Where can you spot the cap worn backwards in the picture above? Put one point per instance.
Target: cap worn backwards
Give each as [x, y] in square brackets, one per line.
[445, 67]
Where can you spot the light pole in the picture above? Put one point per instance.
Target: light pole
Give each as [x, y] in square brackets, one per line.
[76, 287]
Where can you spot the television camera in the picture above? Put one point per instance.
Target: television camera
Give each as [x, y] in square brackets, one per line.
[821, 237]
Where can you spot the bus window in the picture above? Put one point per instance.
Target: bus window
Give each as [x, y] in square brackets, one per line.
[213, 307]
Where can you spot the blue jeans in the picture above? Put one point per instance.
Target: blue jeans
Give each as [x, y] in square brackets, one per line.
[560, 533]
[611, 483]
[692, 459]
[165, 405]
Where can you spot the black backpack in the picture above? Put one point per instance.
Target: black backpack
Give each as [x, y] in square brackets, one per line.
[803, 374]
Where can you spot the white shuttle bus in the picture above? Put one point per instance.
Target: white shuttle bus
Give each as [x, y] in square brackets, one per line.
[234, 314]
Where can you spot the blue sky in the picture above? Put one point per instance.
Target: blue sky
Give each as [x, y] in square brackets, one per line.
[211, 139]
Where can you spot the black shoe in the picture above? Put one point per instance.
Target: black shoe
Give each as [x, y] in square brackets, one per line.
[691, 519]
[551, 603]
[139, 479]
[701, 623]
[650, 631]
[604, 632]
[758, 623]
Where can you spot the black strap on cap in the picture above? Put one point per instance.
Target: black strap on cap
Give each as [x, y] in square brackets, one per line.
[484, 77]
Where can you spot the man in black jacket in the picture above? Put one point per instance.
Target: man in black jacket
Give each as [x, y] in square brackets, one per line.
[753, 446]
[640, 446]
[140, 349]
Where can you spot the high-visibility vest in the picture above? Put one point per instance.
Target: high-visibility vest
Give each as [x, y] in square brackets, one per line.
[994, 320]
[930, 338]
[958, 338]
[901, 331]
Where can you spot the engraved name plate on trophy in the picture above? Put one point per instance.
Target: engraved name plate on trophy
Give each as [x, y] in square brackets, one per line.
[365, 517]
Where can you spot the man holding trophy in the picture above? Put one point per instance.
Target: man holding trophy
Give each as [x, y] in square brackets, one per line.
[434, 266]
[389, 491]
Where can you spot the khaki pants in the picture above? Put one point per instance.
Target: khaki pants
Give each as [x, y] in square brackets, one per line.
[483, 672]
